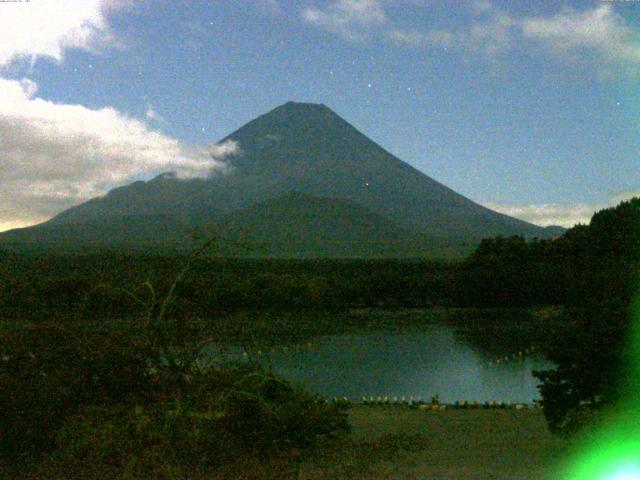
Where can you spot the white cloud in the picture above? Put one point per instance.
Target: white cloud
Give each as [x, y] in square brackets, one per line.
[599, 30]
[416, 38]
[54, 155]
[359, 19]
[45, 28]
[626, 195]
[548, 213]
[493, 37]
[223, 150]
[151, 114]
[352, 19]
[597, 35]
[565, 215]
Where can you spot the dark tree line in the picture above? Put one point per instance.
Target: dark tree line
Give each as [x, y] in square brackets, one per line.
[592, 351]
[593, 270]
[37, 287]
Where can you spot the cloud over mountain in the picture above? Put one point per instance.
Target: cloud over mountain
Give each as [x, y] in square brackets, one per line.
[55, 155]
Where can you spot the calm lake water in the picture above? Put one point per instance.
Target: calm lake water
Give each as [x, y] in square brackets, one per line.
[419, 362]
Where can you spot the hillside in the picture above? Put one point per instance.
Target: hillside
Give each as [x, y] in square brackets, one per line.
[299, 225]
[373, 204]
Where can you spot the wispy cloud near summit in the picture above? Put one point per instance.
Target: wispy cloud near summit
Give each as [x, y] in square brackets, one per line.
[55, 155]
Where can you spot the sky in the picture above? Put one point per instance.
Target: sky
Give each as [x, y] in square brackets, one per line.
[529, 108]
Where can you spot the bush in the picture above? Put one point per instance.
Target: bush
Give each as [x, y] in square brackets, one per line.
[105, 402]
[227, 416]
[48, 371]
[88, 400]
[588, 349]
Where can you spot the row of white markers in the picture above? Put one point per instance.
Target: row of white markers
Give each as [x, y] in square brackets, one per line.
[416, 402]
[309, 346]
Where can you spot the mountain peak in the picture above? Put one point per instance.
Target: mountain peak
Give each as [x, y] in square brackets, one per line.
[290, 131]
[296, 111]
[291, 105]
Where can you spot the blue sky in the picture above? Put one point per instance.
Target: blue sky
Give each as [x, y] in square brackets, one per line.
[531, 108]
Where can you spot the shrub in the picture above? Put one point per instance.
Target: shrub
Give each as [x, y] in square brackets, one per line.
[48, 371]
[229, 416]
[102, 402]
[588, 349]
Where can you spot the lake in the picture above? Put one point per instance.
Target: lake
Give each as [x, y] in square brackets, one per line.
[419, 361]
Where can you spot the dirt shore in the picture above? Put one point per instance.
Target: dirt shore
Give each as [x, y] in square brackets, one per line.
[464, 444]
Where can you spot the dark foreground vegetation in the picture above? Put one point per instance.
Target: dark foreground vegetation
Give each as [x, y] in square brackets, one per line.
[79, 400]
[101, 374]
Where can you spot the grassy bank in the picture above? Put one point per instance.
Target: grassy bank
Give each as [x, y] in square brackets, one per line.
[401, 443]
[408, 444]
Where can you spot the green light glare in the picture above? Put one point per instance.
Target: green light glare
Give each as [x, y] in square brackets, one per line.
[612, 450]
[626, 473]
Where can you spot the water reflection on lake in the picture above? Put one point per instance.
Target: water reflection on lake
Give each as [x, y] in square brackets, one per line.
[419, 362]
